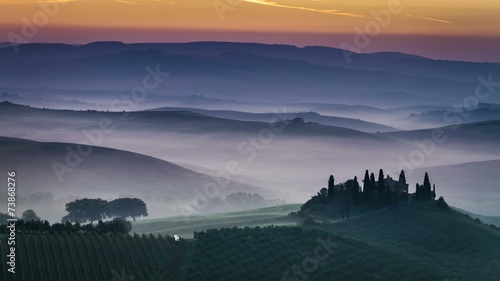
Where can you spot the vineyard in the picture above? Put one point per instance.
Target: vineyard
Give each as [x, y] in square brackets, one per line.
[412, 243]
[82, 257]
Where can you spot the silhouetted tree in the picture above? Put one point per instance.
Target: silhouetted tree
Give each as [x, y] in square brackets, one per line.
[367, 191]
[427, 187]
[30, 215]
[85, 210]
[418, 191]
[381, 186]
[127, 207]
[3, 218]
[244, 200]
[402, 177]
[433, 195]
[373, 187]
[372, 182]
[356, 195]
[331, 187]
[323, 192]
[441, 203]
[119, 225]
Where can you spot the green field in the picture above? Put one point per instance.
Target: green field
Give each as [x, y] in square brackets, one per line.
[187, 225]
[418, 242]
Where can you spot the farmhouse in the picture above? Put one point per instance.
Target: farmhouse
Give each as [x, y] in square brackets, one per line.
[395, 186]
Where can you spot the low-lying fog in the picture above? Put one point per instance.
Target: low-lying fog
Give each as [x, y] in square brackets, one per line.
[292, 161]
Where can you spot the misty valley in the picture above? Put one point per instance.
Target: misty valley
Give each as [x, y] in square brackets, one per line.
[246, 161]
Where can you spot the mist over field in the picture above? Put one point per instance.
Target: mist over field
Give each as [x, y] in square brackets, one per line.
[284, 118]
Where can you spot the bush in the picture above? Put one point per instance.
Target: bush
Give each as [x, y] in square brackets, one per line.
[441, 203]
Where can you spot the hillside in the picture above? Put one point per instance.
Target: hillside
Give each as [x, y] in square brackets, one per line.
[210, 142]
[185, 226]
[455, 183]
[257, 75]
[413, 243]
[168, 189]
[355, 124]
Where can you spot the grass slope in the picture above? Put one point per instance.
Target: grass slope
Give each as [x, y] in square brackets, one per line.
[186, 225]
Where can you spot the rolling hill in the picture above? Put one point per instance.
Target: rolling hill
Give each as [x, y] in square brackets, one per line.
[355, 124]
[417, 242]
[293, 162]
[61, 170]
[472, 186]
[258, 76]
[185, 226]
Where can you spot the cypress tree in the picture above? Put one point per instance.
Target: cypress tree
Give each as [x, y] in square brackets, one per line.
[331, 187]
[402, 177]
[427, 187]
[355, 192]
[372, 183]
[366, 187]
[381, 182]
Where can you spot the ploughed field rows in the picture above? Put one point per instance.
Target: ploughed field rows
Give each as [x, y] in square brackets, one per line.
[91, 257]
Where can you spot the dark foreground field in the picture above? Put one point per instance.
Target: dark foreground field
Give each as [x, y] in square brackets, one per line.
[416, 242]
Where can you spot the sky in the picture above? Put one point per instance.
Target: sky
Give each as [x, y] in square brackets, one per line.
[442, 29]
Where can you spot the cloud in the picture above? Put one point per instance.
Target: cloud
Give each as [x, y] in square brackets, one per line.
[34, 1]
[430, 19]
[328, 11]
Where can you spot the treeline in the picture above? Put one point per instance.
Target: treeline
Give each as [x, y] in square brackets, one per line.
[240, 201]
[85, 211]
[117, 225]
[373, 194]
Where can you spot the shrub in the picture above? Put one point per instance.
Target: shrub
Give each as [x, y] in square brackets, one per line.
[441, 203]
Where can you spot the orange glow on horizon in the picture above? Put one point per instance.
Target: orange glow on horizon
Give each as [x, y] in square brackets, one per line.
[459, 18]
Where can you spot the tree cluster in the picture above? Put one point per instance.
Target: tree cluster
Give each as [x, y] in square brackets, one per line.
[423, 191]
[90, 210]
[117, 225]
[373, 194]
[241, 201]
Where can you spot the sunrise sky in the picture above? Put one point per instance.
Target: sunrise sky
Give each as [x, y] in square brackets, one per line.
[445, 29]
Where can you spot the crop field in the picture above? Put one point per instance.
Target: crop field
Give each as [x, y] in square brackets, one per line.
[186, 226]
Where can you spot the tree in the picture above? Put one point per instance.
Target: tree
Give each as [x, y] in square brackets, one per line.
[356, 195]
[372, 182]
[243, 200]
[367, 191]
[402, 177]
[3, 218]
[127, 207]
[30, 215]
[323, 192]
[331, 187]
[433, 195]
[441, 203]
[418, 191]
[119, 225]
[85, 210]
[380, 186]
[427, 187]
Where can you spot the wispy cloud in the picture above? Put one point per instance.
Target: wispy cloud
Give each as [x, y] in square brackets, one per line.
[34, 1]
[323, 11]
[426, 18]
[143, 5]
